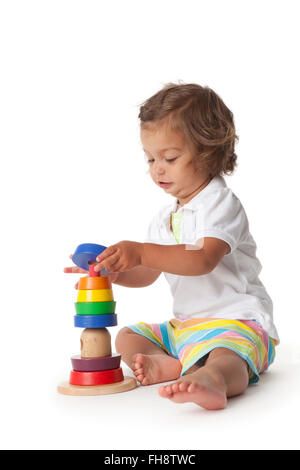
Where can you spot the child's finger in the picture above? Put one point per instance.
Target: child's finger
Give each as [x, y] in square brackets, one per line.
[68, 270]
[74, 269]
[109, 251]
[108, 263]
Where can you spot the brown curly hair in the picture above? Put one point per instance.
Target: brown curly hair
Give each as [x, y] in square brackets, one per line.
[205, 121]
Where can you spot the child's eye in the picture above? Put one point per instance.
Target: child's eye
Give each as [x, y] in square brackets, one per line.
[167, 159]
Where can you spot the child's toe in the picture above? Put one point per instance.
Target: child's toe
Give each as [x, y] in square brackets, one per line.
[169, 389]
[162, 392]
[183, 386]
[192, 388]
[138, 358]
[175, 387]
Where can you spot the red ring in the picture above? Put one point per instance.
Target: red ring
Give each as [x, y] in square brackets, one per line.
[96, 377]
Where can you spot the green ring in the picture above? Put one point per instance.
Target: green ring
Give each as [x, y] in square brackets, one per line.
[95, 308]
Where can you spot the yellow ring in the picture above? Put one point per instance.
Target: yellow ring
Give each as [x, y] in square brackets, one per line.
[95, 295]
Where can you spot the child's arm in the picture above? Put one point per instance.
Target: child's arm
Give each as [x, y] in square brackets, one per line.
[184, 260]
[139, 276]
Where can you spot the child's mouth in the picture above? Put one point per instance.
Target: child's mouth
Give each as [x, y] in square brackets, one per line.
[164, 185]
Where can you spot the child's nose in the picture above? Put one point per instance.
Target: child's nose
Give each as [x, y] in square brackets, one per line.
[159, 169]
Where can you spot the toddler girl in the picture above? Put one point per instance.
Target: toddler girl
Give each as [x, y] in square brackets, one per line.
[222, 335]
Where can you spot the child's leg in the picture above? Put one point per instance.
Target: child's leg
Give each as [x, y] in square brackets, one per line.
[128, 343]
[232, 367]
[225, 374]
[149, 362]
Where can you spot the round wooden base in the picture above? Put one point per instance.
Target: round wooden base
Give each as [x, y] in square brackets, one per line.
[129, 383]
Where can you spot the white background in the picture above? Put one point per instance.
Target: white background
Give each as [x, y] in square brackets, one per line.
[73, 75]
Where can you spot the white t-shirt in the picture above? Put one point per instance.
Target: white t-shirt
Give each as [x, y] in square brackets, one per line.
[233, 289]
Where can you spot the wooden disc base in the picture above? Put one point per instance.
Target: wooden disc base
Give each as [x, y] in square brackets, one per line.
[129, 383]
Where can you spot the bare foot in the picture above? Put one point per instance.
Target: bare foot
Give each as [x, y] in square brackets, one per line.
[155, 368]
[201, 388]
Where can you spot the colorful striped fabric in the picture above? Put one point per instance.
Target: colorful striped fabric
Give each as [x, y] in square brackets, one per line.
[190, 340]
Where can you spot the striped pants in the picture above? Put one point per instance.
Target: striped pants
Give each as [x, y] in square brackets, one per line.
[191, 340]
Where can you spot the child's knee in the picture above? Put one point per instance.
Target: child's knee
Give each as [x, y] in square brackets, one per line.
[122, 338]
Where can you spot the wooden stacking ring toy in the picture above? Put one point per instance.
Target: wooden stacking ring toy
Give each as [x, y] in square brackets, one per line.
[96, 377]
[97, 295]
[96, 371]
[95, 308]
[96, 363]
[95, 321]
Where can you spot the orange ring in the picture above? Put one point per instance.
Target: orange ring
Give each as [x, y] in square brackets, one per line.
[90, 282]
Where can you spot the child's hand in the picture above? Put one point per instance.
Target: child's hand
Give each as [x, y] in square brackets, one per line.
[112, 277]
[74, 269]
[120, 257]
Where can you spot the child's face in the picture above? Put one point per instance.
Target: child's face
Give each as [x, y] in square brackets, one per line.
[170, 161]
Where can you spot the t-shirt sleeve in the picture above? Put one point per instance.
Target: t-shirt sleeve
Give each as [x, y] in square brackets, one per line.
[221, 215]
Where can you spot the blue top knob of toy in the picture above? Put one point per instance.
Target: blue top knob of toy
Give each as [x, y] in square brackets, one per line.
[87, 252]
